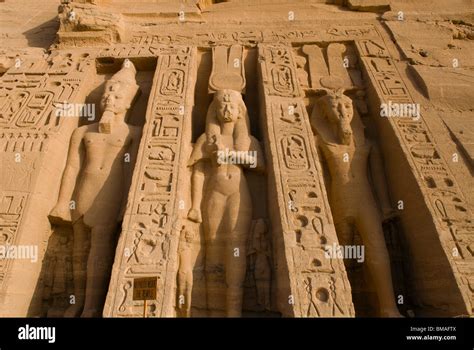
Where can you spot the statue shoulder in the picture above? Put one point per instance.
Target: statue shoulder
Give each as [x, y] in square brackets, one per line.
[254, 143]
[201, 141]
[322, 142]
[80, 131]
[84, 128]
[253, 139]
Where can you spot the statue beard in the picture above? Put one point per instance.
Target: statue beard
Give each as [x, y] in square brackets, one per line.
[105, 124]
[105, 128]
[345, 134]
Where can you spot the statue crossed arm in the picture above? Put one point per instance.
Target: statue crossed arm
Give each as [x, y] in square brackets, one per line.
[204, 150]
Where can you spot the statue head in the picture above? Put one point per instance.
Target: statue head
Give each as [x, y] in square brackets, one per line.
[339, 111]
[260, 227]
[119, 94]
[229, 107]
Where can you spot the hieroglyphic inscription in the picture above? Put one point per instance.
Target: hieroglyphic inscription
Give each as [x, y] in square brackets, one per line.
[149, 238]
[318, 285]
[441, 192]
[29, 92]
[141, 42]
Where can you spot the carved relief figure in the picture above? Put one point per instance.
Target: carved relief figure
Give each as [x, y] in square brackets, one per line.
[94, 190]
[225, 202]
[348, 154]
[187, 254]
[57, 279]
[260, 254]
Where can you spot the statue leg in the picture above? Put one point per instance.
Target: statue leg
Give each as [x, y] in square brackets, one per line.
[262, 280]
[185, 282]
[99, 265]
[240, 216]
[344, 228]
[188, 291]
[369, 225]
[212, 221]
[345, 235]
[79, 262]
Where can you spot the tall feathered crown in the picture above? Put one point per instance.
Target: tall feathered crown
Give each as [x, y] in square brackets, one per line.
[126, 76]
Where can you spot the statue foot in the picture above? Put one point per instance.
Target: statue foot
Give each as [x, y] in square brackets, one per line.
[73, 311]
[391, 313]
[55, 312]
[91, 313]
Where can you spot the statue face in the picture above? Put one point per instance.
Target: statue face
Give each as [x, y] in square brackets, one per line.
[259, 228]
[339, 111]
[115, 98]
[228, 107]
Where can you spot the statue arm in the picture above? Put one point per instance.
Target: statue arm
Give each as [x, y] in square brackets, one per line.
[197, 178]
[213, 129]
[75, 157]
[197, 187]
[199, 150]
[379, 181]
[319, 143]
[259, 159]
[129, 167]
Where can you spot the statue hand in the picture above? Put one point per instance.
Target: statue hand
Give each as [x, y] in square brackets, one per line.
[215, 148]
[215, 144]
[60, 214]
[195, 215]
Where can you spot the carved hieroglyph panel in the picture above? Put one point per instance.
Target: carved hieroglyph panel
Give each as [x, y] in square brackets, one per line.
[149, 44]
[313, 285]
[149, 241]
[249, 37]
[29, 92]
[438, 185]
[12, 205]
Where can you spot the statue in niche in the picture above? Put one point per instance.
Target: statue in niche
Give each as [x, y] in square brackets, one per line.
[349, 154]
[94, 190]
[260, 259]
[187, 255]
[226, 203]
[57, 279]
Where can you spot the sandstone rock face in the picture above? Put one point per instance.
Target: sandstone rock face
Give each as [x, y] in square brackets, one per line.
[236, 158]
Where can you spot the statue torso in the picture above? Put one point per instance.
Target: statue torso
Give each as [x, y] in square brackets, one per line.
[347, 163]
[100, 189]
[348, 168]
[226, 178]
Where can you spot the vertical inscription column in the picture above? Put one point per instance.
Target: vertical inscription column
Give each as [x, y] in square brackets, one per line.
[148, 243]
[308, 283]
[452, 217]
